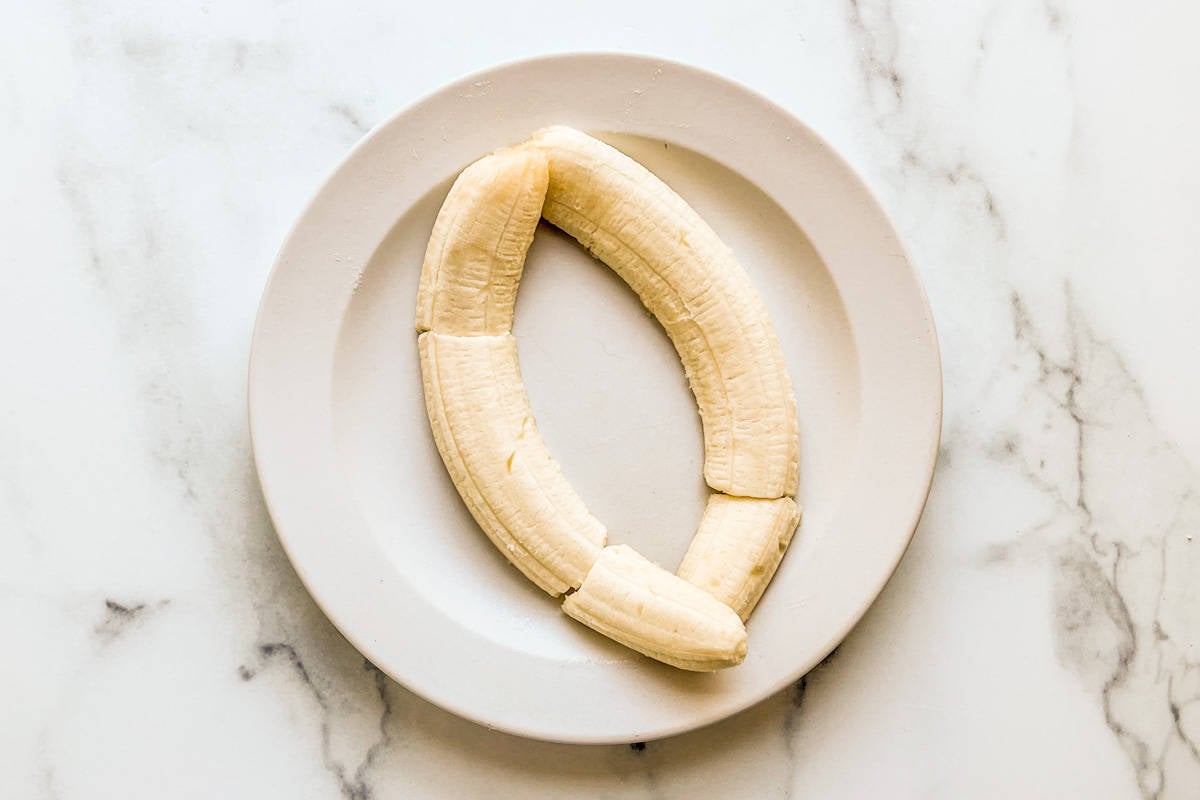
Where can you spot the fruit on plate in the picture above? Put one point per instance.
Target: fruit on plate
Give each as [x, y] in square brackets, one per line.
[485, 431]
[738, 547]
[634, 601]
[477, 250]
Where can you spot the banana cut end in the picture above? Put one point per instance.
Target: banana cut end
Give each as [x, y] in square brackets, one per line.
[476, 252]
[738, 547]
[632, 600]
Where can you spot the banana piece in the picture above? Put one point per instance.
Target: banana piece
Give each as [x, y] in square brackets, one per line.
[690, 281]
[738, 547]
[484, 429]
[477, 250]
[630, 599]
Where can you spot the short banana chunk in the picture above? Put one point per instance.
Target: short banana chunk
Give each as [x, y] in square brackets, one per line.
[476, 253]
[738, 547]
[484, 429]
[691, 282]
[639, 604]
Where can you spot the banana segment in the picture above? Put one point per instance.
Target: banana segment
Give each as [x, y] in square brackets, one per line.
[630, 599]
[690, 281]
[484, 429]
[477, 250]
[738, 547]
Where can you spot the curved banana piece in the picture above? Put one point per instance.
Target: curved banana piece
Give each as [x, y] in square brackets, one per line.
[499, 463]
[477, 250]
[690, 281]
[738, 547]
[630, 599]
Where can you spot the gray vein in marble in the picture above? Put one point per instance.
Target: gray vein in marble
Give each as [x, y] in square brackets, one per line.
[385, 740]
[127, 239]
[793, 712]
[1054, 15]
[49, 789]
[961, 176]
[241, 50]
[120, 618]
[140, 284]
[874, 25]
[645, 760]
[145, 50]
[237, 55]
[344, 112]
[983, 44]
[72, 182]
[791, 718]
[48, 781]
[1177, 721]
[1058, 23]
[1123, 579]
[355, 785]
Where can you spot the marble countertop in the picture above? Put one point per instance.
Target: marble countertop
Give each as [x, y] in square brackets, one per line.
[1040, 639]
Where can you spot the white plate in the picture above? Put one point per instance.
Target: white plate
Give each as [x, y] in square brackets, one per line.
[359, 495]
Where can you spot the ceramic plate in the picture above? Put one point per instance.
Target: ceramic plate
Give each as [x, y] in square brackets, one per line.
[360, 498]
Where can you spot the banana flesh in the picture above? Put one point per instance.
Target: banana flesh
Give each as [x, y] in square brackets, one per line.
[691, 282]
[634, 601]
[738, 547]
[477, 250]
[484, 429]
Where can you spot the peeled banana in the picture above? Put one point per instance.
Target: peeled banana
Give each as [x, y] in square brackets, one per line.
[639, 604]
[738, 547]
[476, 252]
[484, 429]
[691, 282]
[485, 432]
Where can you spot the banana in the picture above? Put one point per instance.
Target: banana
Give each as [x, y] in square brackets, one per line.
[634, 601]
[738, 547]
[484, 429]
[476, 253]
[691, 282]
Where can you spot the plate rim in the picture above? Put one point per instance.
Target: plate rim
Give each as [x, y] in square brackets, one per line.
[927, 462]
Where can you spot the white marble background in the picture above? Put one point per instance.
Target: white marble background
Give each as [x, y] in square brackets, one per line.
[1041, 638]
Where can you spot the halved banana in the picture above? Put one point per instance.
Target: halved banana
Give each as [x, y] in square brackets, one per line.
[634, 601]
[691, 282]
[484, 428]
[738, 547]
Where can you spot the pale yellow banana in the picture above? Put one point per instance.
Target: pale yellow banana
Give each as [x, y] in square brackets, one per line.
[691, 282]
[476, 253]
[484, 429]
[639, 604]
[738, 547]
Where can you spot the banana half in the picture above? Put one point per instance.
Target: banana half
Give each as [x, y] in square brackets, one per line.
[485, 431]
[690, 281]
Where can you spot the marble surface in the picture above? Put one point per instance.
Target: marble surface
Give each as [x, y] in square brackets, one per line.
[1040, 639]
